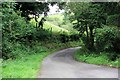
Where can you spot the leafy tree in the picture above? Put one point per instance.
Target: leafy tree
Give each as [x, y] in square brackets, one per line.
[32, 8]
[15, 30]
[12, 26]
[88, 17]
[35, 8]
[112, 9]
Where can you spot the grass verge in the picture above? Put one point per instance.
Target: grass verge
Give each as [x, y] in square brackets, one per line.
[92, 58]
[29, 64]
[23, 68]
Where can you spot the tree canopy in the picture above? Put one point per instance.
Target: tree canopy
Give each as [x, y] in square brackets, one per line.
[87, 17]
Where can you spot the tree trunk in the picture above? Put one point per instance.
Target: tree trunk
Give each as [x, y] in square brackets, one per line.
[87, 38]
[36, 21]
[91, 42]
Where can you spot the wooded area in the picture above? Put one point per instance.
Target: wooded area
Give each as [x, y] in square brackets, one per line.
[27, 29]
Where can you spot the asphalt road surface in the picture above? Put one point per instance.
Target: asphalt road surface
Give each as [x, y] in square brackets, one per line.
[62, 65]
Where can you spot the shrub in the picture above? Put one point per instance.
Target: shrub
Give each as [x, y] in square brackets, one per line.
[42, 34]
[92, 58]
[74, 37]
[15, 30]
[12, 25]
[64, 38]
[108, 39]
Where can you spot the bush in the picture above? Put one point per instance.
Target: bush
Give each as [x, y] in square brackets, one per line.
[92, 58]
[42, 34]
[13, 25]
[108, 39]
[64, 38]
[74, 37]
[15, 30]
[113, 20]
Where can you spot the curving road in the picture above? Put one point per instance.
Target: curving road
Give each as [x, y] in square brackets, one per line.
[62, 65]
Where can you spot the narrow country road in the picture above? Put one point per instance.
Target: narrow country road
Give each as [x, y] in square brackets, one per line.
[62, 65]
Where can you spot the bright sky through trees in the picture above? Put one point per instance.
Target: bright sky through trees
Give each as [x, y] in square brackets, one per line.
[55, 10]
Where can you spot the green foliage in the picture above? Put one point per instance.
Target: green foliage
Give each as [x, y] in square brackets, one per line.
[35, 8]
[12, 26]
[29, 8]
[106, 38]
[86, 17]
[26, 67]
[112, 9]
[54, 28]
[49, 25]
[16, 29]
[23, 43]
[42, 34]
[0, 68]
[93, 58]
[113, 20]
[61, 21]
[56, 19]
[28, 59]
[64, 38]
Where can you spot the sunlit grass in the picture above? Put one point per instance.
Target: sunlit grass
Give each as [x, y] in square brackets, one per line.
[26, 67]
[29, 65]
[54, 28]
[67, 28]
[48, 25]
[58, 16]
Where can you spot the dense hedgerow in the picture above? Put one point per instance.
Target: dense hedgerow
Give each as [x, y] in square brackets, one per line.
[16, 30]
[108, 39]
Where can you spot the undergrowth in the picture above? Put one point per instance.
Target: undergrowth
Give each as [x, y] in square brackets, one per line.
[29, 61]
[94, 58]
